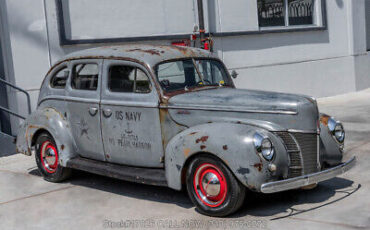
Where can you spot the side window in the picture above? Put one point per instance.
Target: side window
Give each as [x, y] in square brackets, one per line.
[59, 80]
[128, 79]
[85, 76]
[142, 84]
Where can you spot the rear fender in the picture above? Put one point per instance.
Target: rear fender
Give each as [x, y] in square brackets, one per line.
[50, 120]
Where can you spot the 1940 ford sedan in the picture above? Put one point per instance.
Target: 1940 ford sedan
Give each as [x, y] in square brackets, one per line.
[171, 116]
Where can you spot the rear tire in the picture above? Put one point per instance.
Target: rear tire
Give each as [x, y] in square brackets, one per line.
[47, 159]
[213, 188]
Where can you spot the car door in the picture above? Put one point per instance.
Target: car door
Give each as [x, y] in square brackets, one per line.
[83, 93]
[130, 115]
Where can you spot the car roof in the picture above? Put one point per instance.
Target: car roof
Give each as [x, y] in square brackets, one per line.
[148, 54]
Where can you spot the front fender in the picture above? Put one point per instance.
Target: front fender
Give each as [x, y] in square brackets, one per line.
[331, 152]
[52, 121]
[233, 144]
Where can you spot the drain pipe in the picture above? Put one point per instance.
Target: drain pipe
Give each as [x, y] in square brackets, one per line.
[201, 22]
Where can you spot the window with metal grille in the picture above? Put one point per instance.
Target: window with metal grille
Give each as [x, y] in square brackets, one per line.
[286, 12]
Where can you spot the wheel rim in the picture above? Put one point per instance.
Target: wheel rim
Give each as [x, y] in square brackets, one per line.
[210, 185]
[49, 157]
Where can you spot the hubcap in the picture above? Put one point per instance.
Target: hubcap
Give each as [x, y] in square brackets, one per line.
[210, 185]
[49, 157]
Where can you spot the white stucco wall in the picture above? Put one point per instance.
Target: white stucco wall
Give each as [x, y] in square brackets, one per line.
[129, 18]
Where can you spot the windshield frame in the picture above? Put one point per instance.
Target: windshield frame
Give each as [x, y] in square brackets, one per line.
[193, 88]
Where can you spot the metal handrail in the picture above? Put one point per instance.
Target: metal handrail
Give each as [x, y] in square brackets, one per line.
[21, 90]
[11, 112]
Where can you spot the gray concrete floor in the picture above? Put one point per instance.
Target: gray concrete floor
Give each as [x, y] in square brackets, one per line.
[93, 202]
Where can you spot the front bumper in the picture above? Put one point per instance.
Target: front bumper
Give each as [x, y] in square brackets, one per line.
[305, 180]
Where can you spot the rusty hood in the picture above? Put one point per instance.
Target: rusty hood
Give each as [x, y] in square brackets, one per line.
[287, 111]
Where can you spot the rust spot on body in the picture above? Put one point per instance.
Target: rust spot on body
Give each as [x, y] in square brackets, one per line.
[202, 139]
[148, 51]
[258, 166]
[193, 133]
[324, 119]
[183, 112]
[203, 147]
[62, 147]
[225, 147]
[186, 152]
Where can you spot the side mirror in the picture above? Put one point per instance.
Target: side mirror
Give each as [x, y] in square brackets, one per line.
[234, 74]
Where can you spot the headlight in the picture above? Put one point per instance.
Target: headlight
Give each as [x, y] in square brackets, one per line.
[337, 130]
[264, 146]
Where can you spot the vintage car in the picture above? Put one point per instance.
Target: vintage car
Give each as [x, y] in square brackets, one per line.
[171, 116]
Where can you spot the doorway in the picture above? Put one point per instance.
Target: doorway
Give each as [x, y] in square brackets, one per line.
[5, 125]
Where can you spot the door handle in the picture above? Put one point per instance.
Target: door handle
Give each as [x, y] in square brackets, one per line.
[93, 111]
[107, 113]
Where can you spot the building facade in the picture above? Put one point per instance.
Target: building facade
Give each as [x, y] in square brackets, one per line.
[314, 47]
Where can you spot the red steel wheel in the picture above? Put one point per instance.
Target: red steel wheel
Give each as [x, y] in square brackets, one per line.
[210, 185]
[49, 157]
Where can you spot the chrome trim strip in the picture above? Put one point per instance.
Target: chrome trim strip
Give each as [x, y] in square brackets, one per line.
[305, 180]
[68, 99]
[302, 131]
[228, 109]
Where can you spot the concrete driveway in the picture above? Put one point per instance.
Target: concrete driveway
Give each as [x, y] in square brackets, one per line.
[93, 202]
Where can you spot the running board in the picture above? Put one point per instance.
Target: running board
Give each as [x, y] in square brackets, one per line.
[148, 176]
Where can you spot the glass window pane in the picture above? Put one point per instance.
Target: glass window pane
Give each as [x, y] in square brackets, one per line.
[212, 71]
[183, 74]
[271, 13]
[142, 82]
[85, 77]
[59, 80]
[172, 71]
[177, 75]
[121, 79]
[301, 12]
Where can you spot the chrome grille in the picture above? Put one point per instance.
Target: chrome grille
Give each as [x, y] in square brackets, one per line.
[302, 150]
[308, 146]
[295, 168]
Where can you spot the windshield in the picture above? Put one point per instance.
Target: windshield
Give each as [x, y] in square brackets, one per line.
[190, 73]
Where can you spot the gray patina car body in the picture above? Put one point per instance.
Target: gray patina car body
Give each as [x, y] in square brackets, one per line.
[152, 137]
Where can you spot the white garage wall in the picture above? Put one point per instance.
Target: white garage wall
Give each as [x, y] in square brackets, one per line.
[96, 19]
[236, 15]
[29, 43]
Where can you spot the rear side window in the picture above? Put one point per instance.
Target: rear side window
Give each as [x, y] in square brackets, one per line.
[59, 80]
[128, 79]
[85, 77]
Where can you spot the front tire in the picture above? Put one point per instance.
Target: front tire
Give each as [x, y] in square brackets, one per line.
[47, 159]
[213, 188]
